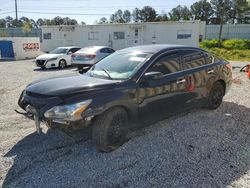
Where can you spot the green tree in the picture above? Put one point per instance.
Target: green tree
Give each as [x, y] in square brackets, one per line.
[162, 18]
[239, 10]
[136, 15]
[2, 23]
[103, 20]
[117, 17]
[26, 27]
[126, 16]
[202, 10]
[222, 10]
[148, 14]
[180, 13]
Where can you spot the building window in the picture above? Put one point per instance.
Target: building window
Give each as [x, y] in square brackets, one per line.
[46, 35]
[136, 33]
[184, 34]
[93, 36]
[119, 35]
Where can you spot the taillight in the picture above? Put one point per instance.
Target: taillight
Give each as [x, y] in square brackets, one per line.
[229, 66]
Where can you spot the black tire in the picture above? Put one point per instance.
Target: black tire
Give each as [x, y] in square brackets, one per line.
[216, 96]
[62, 64]
[110, 129]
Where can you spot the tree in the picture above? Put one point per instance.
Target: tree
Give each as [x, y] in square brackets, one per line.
[2, 23]
[202, 10]
[117, 17]
[126, 16]
[40, 22]
[180, 13]
[9, 21]
[239, 10]
[162, 18]
[136, 15]
[26, 27]
[148, 14]
[102, 20]
[222, 10]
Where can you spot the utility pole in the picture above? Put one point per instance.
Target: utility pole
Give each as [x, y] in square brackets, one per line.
[16, 10]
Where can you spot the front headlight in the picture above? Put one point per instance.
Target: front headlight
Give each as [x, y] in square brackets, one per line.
[52, 59]
[70, 112]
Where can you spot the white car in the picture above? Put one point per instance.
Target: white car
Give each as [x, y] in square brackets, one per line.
[90, 55]
[59, 57]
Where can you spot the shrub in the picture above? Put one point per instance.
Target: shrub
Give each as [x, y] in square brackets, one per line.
[236, 55]
[209, 43]
[236, 44]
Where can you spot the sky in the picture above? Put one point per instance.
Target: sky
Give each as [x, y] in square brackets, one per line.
[88, 11]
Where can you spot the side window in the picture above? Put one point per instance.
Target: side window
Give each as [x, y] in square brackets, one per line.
[110, 50]
[104, 50]
[209, 58]
[193, 59]
[167, 64]
[107, 50]
[73, 50]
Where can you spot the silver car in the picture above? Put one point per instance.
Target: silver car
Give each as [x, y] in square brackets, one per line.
[88, 56]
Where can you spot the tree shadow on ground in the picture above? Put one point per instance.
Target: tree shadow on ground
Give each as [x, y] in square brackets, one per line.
[201, 149]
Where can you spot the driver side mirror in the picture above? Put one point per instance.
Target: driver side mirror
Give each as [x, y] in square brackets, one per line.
[69, 53]
[153, 75]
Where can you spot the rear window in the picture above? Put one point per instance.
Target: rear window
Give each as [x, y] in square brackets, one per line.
[193, 59]
[88, 50]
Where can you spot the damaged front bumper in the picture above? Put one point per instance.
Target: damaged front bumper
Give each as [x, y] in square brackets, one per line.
[37, 105]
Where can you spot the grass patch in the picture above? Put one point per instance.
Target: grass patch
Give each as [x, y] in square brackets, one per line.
[233, 55]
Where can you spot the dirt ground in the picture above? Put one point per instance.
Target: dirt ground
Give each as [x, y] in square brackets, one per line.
[199, 149]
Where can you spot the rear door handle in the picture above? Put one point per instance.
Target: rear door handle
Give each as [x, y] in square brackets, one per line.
[210, 71]
[181, 81]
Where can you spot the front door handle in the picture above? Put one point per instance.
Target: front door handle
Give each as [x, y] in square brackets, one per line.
[181, 81]
[210, 71]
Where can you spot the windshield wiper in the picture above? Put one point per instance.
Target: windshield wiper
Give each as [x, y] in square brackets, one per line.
[106, 73]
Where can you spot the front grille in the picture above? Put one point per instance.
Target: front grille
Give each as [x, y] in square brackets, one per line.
[40, 62]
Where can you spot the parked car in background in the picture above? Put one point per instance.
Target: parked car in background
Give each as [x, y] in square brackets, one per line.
[130, 86]
[90, 55]
[59, 57]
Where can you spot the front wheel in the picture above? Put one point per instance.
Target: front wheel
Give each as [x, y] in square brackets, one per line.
[216, 96]
[110, 129]
[62, 64]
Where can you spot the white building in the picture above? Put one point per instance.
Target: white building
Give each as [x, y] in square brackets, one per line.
[121, 36]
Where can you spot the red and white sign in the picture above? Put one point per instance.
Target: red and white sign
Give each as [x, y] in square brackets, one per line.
[31, 46]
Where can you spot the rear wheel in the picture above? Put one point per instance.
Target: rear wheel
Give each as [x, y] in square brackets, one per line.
[62, 64]
[110, 129]
[216, 96]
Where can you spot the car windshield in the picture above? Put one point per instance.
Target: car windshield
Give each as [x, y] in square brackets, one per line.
[59, 51]
[119, 66]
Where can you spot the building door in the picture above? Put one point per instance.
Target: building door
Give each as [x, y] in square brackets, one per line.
[6, 50]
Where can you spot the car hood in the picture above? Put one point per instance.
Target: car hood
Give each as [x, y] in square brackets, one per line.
[48, 56]
[68, 84]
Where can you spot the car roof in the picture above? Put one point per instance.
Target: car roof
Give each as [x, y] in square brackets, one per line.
[68, 47]
[154, 48]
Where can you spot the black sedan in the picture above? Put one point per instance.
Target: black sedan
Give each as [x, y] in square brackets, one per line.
[131, 86]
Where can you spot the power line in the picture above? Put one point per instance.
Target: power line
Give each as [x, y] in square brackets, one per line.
[7, 12]
[59, 13]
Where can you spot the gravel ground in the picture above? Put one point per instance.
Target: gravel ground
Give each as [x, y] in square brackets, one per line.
[199, 149]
